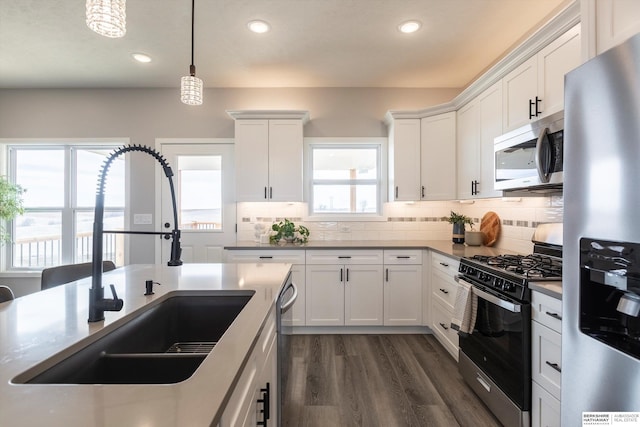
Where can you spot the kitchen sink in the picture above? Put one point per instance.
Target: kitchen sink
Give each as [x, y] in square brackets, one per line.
[164, 344]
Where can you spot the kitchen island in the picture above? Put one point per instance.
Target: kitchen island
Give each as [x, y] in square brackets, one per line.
[50, 325]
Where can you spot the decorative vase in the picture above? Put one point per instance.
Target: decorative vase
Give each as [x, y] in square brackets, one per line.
[458, 232]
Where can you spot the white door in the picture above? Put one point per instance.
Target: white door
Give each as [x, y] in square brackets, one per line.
[203, 178]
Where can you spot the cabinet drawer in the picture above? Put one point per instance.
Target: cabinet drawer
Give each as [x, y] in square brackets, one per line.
[546, 310]
[444, 289]
[441, 327]
[545, 409]
[266, 256]
[403, 256]
[445, 264]
[333, 257]
[546, 360]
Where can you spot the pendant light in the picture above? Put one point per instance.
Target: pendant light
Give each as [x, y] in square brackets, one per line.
[191, 86]
[107, 17]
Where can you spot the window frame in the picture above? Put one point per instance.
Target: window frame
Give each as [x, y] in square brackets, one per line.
[70, 208]
[379, 143]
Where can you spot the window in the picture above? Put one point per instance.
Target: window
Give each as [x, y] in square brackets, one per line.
[60, 183]
[345, 176]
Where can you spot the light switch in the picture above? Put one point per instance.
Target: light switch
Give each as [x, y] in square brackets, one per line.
[143, 219]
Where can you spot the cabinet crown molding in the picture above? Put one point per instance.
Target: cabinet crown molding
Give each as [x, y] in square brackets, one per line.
[269, 114]
[554, 28]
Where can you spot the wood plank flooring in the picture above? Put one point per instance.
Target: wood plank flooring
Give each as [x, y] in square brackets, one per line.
[377, 380]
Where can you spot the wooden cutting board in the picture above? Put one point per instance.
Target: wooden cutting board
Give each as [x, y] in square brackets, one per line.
[490, 226]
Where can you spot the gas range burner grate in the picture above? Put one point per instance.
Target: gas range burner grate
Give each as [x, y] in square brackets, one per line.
[534, 266]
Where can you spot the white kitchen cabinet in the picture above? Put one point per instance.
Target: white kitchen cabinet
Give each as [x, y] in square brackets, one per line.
[402, 287]
[344, 288]
[422, 158]
[443, 294]
[267, 256]
[268, 157]
[479, 122]
[404, 160]
[545, 409]
[535, 88]
[438, 157]
[257, 383]
[615, 22]
[546, 359]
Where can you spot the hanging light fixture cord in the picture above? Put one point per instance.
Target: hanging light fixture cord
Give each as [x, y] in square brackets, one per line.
[192, 68]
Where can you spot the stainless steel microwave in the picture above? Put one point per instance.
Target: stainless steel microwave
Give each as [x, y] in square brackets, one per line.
[530, 157]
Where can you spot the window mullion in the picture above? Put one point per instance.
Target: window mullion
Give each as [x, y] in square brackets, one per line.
[68, 211]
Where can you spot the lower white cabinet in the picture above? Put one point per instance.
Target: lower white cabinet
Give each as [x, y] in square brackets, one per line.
[545, 409]
[294, 257]
[257, 386]
[402, 287]
[546, 359]
[344, 294]
[443, 296]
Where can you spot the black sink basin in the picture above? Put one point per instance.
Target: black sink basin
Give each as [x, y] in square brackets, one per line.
[164, 344]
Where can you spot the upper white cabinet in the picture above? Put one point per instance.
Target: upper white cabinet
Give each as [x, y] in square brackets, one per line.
[422, 158]
[535, 88]
[438, 157]
[479, 122]
[615, 22]
[268, 154]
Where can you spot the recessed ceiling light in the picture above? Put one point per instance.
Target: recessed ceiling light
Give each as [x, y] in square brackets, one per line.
[409, 26]
[141, 57]
[258, 26]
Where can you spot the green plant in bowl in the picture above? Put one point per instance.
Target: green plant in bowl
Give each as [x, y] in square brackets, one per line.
[289, 232]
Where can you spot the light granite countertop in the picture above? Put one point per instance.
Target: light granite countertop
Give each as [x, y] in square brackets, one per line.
[445, 247]
[553, 289]
[43, 326]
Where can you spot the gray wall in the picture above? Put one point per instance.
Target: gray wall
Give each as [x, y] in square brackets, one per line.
[146, 114]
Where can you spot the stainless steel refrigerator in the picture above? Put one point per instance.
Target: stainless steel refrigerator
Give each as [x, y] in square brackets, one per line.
[601, 259]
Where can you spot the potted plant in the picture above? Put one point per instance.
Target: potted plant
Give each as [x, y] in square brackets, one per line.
[458, 221]
[10, 204]
[288, 231]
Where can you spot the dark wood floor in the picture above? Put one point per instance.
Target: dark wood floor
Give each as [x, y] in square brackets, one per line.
[377, 380]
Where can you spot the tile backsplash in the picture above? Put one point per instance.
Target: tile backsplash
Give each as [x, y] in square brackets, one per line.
[410, 221]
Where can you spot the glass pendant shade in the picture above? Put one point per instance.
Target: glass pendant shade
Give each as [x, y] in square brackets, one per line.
[191, 90]
[107, 17]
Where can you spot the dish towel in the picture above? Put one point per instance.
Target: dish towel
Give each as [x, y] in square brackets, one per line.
[465, 309]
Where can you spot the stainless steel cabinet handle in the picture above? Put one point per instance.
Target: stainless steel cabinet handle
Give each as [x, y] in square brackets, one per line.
[554, 366]
[554, 315]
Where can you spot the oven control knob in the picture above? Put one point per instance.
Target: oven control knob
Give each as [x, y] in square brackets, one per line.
[509, 287]
[462, 268]
[499, 283]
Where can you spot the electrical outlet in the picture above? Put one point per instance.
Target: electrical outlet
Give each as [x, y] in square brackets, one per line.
[142, 219]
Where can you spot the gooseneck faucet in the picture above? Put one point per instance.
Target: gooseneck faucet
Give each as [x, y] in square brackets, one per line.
[97, 303]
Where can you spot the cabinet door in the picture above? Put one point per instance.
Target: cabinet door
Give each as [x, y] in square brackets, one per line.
[403, 295]
[490, 111]
[267, 385]
[518, 88]
[404, 160]
[285, 160]
[325, 295]
[546, 358]
[251, 152]
[468, 143]
[554, 61]
[545, 409]
[363, 295]
[616, 21]
[438, 157]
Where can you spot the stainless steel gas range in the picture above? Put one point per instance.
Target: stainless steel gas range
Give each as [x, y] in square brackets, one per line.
[495, 358]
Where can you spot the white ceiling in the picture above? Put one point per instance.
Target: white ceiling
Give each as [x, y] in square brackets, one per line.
[313, 43]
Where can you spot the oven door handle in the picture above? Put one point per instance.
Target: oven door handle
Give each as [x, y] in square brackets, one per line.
[507, 305]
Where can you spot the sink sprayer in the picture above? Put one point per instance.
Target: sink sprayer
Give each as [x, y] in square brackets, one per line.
[97, 303]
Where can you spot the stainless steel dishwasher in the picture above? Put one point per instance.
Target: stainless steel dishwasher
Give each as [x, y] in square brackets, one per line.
[286, 299]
